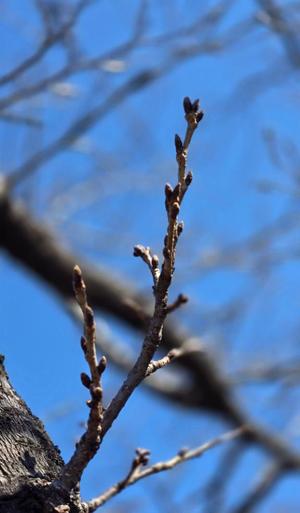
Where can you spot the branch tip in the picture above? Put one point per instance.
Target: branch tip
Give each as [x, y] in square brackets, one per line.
[138, 250]
[142, 457]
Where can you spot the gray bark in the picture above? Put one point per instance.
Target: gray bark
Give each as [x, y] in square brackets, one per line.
[30, 464]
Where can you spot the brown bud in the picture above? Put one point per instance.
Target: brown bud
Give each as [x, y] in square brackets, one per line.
[187, 105]
[89, 317]
[182, 452]
[182, 298]
[138, 250]
[195, 106]
[168, 191]
[102, 365]
[85, 380]
[199, 116]
[89, 403]
[178, 144]
[188, 179]
[83, 344]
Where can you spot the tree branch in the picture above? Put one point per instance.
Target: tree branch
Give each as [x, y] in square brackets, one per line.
[153, 336]
[89, 443]
[136, 472]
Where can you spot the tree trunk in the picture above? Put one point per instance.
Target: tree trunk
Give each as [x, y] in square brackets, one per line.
[30, 464]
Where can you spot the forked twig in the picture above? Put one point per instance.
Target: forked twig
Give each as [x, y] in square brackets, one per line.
[137, 471]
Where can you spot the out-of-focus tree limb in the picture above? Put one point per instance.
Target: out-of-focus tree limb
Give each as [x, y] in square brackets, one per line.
[266, 483]
[51, 38]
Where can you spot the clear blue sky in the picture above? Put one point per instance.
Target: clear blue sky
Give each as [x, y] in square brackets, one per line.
[128, 156]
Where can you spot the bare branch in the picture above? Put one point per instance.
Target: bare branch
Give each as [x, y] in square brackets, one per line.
[179, 301]
[136, 473]
[89, 443]
[149, 259]
[50, 40]
[153, 336]
[170, 357]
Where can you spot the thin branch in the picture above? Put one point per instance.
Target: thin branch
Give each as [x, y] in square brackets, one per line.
[150, 260]
[89, 443]
[32, 245]
[181, 299]
[122, 357]
[49, 41]
[153, 336]
[12, 117]
[172, 355]
[79, 66]
[90, 118]
[136, 473]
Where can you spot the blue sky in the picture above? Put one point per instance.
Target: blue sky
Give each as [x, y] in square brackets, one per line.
[127, 157]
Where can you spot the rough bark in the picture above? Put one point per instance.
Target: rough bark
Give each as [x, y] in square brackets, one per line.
[29, 461]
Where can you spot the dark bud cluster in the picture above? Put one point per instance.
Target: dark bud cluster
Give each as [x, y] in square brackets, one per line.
[142, 457]
[192, 107]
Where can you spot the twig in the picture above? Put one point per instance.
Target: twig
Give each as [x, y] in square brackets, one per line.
[49, 41]
[153, 336]
[135, 473]
[89, 443]
[181, 300]
[149, 259]
[172, 355]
